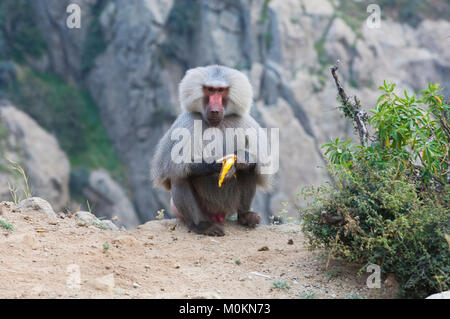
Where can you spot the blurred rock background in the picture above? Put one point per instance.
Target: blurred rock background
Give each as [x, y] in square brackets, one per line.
[82, 109]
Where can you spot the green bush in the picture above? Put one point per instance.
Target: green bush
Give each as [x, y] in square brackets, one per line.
[388, 203]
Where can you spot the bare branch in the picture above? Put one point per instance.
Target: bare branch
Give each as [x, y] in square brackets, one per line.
[352, 109]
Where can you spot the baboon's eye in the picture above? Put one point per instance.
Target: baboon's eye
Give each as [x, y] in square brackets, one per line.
[220, 90]
[211, 89]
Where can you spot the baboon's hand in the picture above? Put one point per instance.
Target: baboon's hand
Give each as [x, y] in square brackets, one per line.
[204, 169]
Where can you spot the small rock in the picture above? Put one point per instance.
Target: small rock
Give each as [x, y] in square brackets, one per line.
[38, 204]
[86, 216]
[90, 218]
[290, 242]
[441, 295]
[136, 285]
[109, 224]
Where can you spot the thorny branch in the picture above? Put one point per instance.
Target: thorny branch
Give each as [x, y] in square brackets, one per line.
[352, 109]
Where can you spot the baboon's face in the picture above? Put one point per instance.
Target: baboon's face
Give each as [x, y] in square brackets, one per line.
[214, 102]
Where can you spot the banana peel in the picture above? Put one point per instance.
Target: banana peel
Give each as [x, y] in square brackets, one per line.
[227, 162]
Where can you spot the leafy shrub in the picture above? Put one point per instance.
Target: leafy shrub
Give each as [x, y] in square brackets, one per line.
[389, 201]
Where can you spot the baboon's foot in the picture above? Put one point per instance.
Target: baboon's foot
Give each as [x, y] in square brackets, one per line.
[209, 229]
[249, 219]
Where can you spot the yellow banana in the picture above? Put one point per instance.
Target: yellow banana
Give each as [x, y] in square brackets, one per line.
[227, 162]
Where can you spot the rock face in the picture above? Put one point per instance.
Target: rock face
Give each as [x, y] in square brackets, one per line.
[37, 152]
[67, 45]
[284, 46]
[107, 199]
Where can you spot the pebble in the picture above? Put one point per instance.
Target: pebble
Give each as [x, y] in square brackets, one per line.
[136, 285]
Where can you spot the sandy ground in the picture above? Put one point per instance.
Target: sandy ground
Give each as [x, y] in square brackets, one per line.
[41, 258]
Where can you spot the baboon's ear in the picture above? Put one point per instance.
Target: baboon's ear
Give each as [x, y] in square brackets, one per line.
[191, 90]
[241, 93]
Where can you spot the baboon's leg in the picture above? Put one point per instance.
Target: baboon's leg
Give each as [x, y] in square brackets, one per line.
[186, 205]
[247, 187]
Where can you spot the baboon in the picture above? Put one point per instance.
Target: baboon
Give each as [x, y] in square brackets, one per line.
[219, 98]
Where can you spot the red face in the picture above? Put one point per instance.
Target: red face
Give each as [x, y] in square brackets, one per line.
[214, 101]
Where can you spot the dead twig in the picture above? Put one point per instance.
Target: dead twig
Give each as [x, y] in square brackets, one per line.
[352, 109]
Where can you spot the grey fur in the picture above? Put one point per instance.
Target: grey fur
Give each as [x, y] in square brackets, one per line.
[197, 197]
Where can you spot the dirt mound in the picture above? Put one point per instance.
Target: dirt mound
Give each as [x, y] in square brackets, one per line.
[41, 257]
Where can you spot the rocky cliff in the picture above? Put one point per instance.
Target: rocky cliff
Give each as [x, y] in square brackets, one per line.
[130, 56]
[24, 142]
